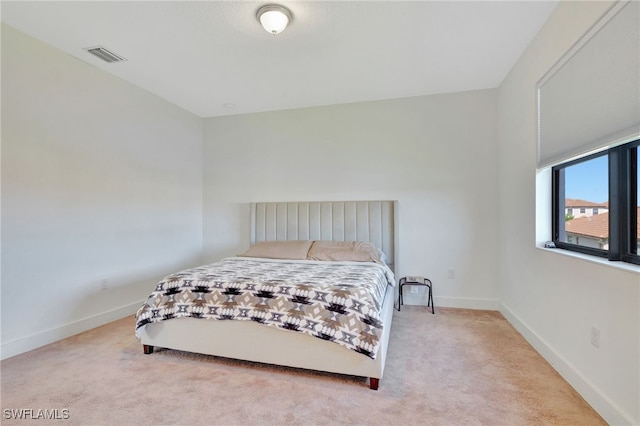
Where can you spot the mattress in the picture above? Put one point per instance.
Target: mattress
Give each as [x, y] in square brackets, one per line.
[338, 302]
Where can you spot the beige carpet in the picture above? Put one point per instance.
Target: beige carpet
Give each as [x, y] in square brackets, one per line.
[458, 367]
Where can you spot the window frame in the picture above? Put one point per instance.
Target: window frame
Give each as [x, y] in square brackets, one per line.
[623, 202]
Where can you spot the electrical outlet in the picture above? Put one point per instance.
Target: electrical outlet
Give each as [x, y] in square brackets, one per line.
[414, 289]
[452, 273]
[104, 284]
[595, 337]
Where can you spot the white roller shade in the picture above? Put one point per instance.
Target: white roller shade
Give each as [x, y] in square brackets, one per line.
[591, 98]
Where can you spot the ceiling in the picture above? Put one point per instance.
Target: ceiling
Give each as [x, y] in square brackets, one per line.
[212, 58]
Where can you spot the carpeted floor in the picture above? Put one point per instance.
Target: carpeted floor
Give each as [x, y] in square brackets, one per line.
[458, 367]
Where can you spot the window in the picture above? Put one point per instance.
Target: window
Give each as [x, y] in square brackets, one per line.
[609, 179]
[636, 210]
[583, 210]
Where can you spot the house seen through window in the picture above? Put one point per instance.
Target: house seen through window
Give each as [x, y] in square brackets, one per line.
[586, 193]
[595, 204]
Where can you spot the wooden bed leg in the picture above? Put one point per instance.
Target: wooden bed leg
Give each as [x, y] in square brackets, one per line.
[373, 383]
[147, 349]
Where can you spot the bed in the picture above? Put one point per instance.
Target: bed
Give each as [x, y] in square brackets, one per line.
[354, 350]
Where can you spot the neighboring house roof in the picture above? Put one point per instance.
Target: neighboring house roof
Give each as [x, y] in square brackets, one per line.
[596, 226]
[574, 202]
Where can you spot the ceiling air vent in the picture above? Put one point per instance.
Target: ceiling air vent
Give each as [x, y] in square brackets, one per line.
[104, 54]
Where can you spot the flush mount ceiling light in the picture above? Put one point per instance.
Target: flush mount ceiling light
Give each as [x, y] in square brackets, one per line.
[274, 18]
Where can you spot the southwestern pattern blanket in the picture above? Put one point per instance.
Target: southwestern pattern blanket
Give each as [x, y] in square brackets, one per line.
[334, 301]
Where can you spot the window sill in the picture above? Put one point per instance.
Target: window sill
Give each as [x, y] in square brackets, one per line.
[623, 266]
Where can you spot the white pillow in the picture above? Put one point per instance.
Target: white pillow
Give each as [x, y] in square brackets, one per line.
[293, 249]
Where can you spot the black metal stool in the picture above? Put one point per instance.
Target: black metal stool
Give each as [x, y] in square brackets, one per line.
[422, 281]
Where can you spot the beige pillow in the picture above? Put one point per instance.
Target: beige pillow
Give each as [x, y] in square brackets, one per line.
[294, 249]
[354, 251]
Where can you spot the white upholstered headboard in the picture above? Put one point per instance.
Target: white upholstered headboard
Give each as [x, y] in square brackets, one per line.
[371, 221]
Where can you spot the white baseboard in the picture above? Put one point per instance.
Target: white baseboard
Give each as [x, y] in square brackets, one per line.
[603, 405]
[33, 341]
[452, 302]
[467, 303]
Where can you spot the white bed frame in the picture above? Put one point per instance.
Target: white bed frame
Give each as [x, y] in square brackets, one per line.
[372, 221]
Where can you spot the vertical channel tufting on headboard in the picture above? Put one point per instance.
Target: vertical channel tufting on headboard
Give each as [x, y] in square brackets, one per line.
[371, 221]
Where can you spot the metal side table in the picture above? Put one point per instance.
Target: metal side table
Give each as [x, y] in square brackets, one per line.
[421, 281]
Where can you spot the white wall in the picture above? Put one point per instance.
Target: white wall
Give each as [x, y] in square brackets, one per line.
[554, 299]
[436, 155]
[100, 181]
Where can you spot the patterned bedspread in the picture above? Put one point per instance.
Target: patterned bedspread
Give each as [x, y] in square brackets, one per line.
[334, 301]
